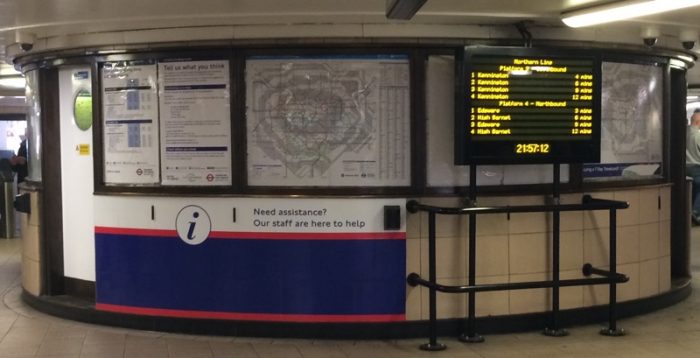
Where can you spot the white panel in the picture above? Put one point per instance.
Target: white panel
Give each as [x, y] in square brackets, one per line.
[76, 180]
[251, 214]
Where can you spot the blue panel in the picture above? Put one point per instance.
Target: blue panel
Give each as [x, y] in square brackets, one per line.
[353, 277]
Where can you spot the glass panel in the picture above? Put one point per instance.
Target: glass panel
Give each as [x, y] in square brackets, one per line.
[34, 126]
[328, 121]
[632, 133]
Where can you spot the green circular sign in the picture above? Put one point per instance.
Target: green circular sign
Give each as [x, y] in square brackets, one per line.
[82, 109]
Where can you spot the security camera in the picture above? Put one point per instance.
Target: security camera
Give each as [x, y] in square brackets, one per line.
[650, 35]
[688, 38]
[650, 41]
[25, 46]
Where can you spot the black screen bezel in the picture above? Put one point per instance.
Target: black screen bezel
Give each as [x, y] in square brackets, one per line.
[502, 152]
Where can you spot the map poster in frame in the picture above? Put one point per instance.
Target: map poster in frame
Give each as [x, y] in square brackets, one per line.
[330, 121]
[632, 109]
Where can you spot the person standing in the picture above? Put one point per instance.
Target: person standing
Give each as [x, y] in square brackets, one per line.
[19, 161]
[692, 162]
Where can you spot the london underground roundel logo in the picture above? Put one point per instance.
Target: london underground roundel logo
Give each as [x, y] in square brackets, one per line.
[193, 225]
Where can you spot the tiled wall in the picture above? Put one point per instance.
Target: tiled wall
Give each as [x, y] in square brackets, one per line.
[31, 254]
[518, 249]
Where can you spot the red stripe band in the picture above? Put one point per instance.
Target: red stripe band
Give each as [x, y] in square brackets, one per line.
[268, 317]
[392, 235]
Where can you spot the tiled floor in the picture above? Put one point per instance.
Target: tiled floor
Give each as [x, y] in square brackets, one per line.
[672, 332]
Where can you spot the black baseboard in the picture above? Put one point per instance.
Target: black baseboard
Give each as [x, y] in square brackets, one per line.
[79, 288]
[84, 310]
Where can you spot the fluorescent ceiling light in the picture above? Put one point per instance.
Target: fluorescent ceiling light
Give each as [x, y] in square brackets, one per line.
[14, 82]
[622, 10]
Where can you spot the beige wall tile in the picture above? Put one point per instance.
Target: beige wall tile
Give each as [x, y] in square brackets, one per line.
[629, 216]
[528, 301]
[649, 241]
[630, 289]
[649, 205]
[571, 297]
[596, 244]
[413, 302]
[449, 305]
[451, 257]
[23, 221]
[597, 218]
[665, 274]
[527, 200]
[493, 201]
[627, 244]
[596, 295]
[649, 278]
[492, 303]
[665, 212]
[665, 238]
[413, 256]
[524, 223]
[571, 250]
[31, 276]
[492, 224]
[492, 255]
[453, 226]
[571, 220]
[449, 202]
[35, 207]
[445, 225]
[413, 225]
[529, 253]
[30, 243]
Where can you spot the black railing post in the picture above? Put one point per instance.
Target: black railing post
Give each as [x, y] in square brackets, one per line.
[610, 277]
[553, 329]
[612, 329]
[432, 345]
[470, 336]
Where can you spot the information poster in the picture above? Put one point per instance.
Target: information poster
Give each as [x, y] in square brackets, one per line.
[328, 121]
[130, 115]
[529, 106]
[195, 123]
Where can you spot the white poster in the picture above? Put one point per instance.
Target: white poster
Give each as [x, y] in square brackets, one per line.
[328, 121]
[195, 123]
[130, 115]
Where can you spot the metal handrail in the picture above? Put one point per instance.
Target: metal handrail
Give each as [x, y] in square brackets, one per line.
[588, 203]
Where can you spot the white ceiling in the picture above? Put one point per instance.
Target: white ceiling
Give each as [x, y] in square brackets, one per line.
[51, 18]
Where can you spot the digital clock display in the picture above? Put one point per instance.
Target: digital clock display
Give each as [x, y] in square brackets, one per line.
[521, 103]
[532, 148]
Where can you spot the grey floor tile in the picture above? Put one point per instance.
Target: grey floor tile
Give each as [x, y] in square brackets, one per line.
[671, 332]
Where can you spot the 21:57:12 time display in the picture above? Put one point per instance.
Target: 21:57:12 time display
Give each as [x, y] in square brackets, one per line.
[532, 148]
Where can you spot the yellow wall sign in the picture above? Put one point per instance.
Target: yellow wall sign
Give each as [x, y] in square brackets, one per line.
[83, 149]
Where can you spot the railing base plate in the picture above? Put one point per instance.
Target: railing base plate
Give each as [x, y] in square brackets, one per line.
[471, 339]
[433, 347]
[560, 332]
[617, 332]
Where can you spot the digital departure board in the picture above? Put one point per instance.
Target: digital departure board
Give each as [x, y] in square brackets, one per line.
[524, 105]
